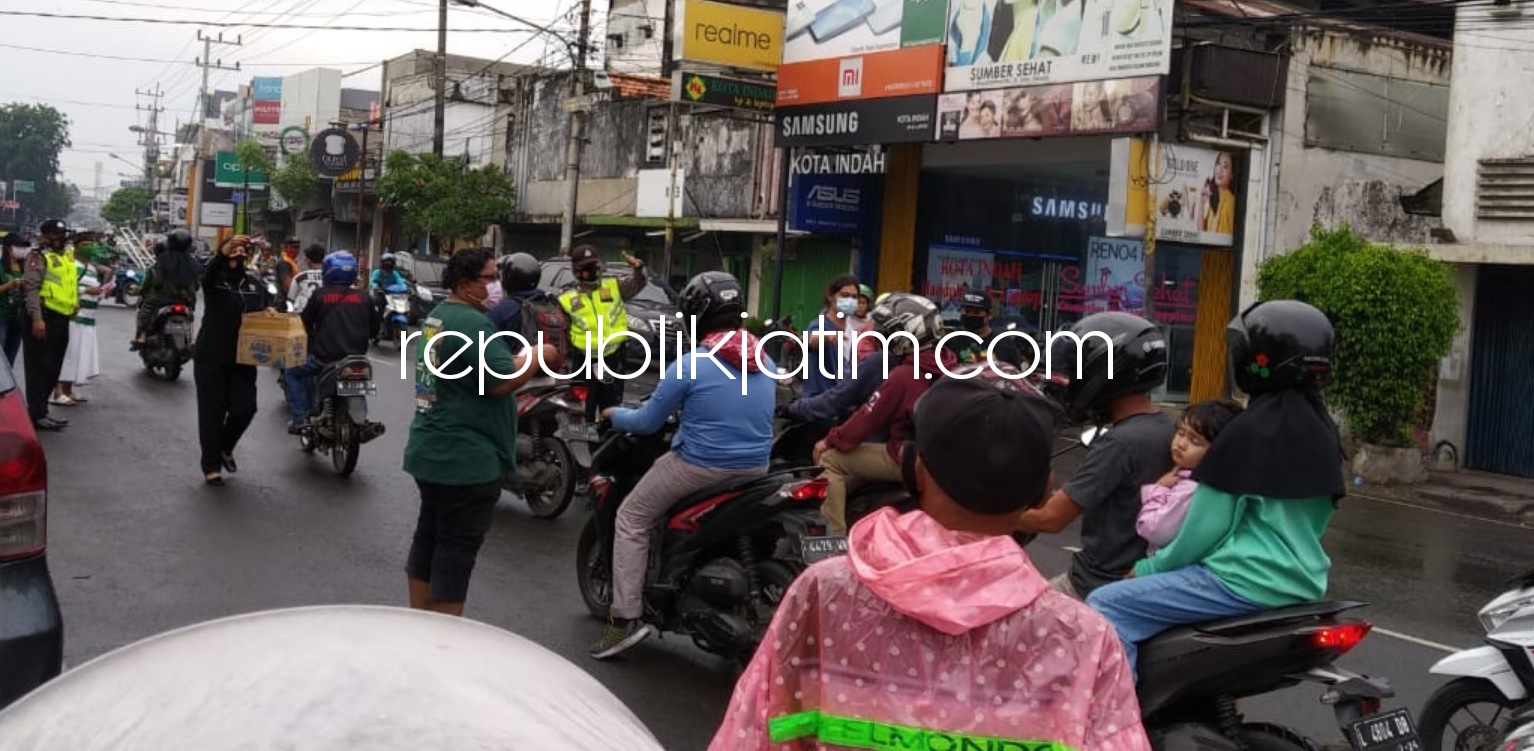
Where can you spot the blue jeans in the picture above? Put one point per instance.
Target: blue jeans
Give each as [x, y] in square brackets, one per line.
[1142, 607]
[299, 380]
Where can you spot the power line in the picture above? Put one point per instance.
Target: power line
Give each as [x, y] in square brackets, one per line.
[216, 25]
[251, 12]
[74, 53]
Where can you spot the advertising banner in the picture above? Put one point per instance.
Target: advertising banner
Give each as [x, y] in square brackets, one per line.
[998, 44]
[653, 187]
[266, 89]
[1194, 197]
[699, 88]
[1115, 275]
[906, 119]
[1125, 105]
[266, 113]
[833, 204]
[901, 72]
[830, 29]
[227, 173]
[334, 152]
[178, 216]
[217, 215]
[733, 36]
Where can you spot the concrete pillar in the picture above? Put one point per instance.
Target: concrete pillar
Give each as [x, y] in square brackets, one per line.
[897, 240]
[1451, 418]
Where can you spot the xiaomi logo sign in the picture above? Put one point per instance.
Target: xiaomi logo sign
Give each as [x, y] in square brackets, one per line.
[850, 78]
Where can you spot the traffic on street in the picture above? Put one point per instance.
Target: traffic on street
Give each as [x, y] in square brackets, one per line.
[138, 545]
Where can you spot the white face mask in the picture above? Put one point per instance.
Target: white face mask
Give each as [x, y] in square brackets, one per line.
[19, 253]
[493, 295]
[846, 305]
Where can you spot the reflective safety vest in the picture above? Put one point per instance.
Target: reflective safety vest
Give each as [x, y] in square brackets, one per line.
[60, 291]
[605, 303]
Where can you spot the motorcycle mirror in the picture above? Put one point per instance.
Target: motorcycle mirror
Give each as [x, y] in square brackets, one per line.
[1091, 434]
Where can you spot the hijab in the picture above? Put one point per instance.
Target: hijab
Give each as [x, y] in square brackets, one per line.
[1283, 446]
[181, 270]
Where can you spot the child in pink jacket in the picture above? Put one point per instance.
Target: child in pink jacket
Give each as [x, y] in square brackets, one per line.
[1164, 503]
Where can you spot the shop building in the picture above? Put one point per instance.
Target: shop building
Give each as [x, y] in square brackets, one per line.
[1483, 407]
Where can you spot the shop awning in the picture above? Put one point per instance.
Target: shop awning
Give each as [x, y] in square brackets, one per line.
[749, 226]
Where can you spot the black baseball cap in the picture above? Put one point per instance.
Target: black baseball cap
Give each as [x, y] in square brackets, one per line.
[972, 300]
[986, 441]
[584, 255]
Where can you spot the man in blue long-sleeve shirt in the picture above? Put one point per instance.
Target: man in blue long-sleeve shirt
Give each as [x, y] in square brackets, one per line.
[725, 433]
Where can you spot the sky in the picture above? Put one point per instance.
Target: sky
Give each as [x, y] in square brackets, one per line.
[98, 95]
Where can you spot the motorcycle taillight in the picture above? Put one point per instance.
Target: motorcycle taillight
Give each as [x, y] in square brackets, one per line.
[357, 371]
[600, 487]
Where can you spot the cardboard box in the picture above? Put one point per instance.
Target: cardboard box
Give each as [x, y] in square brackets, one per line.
[277, 342]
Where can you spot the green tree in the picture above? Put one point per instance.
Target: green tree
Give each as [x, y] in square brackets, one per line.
[33, 137]
[252, 158]
[128, 205]
[441, 196]
[1395, 312]
[297, 182]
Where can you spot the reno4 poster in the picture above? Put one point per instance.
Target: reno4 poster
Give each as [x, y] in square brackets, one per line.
[1000, 44]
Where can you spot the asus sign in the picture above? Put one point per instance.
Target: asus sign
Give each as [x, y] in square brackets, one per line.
[834, 204]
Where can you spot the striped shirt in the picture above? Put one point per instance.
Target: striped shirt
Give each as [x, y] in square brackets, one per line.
[88, 303]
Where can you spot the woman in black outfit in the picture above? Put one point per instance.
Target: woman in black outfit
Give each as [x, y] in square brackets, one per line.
[226, 391]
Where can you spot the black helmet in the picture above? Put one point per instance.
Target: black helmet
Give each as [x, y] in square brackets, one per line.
[179, 240]
[520, 272]
[715, 298]
[159, 247]
[912, 314]
[1139, 362]
[1279, 345]
[52, 225]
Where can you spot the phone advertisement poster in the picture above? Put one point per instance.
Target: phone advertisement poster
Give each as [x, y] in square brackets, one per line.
[999, 44]
[1193, 193]
[830, 29]
[1121, 106]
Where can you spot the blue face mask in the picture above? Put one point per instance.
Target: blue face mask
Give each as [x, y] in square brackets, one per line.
[846, 305]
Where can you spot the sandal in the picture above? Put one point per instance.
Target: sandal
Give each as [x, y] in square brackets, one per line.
[213, 478]
[61, 401]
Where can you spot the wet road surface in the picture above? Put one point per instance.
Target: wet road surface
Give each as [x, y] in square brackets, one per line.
[139, 545]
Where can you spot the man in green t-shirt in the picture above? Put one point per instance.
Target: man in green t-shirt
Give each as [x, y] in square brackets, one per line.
[463, 439]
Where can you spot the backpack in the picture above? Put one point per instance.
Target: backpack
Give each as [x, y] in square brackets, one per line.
[544, 315]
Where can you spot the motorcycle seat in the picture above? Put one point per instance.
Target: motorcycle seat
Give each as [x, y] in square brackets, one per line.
[1276, 617]
[771, 480]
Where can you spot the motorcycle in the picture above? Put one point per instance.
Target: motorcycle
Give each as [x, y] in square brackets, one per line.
[722, 559]
[338, 422]
[547, 472]
[129, 281]
[396, 316]
[1500, 674]
[1191, 678]
[168, 342]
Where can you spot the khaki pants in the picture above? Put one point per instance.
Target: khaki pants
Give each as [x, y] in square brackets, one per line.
[869, 461]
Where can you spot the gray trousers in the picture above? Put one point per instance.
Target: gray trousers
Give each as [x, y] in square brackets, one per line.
[669, 480]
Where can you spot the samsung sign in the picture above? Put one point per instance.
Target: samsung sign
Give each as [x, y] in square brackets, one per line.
[833, 204]
[1065, 209]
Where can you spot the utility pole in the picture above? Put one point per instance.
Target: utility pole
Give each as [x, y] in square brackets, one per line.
[439, 113]
[671, 139]
[205, 139]
[150, 140]
[362, 181]
[577, 132]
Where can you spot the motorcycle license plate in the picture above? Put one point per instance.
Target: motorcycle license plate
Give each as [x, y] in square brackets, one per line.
[575, 428]
[1386, 731]
[355, 388]
[817, 549]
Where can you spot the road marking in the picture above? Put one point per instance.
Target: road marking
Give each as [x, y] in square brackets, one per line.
[1419, 641]
[1070, 548]
[1436, 510]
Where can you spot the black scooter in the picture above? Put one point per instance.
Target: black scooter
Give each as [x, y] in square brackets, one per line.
[168, 342]
[721, 560]
[338, 422]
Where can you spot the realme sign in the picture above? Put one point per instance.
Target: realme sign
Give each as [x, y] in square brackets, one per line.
[734, 36]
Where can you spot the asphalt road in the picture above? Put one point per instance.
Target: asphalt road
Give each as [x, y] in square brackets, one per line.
[139, 545]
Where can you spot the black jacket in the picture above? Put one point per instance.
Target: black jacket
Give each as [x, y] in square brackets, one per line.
[227, 295]
[340, 321]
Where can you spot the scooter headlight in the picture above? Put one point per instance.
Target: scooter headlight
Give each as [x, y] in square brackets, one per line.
[1491, 620]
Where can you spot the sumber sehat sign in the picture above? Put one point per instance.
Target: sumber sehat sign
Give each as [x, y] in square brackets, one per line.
[997, 44]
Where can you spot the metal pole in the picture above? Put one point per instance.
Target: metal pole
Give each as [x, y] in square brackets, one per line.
[577, 134]
[362, 184]
[786, 156]
[439, 113]
[671, 160]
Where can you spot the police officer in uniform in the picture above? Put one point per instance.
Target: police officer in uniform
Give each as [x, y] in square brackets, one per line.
[600, 298]
[52, 298]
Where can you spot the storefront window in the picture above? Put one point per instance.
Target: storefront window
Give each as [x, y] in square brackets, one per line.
[1033, 238]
